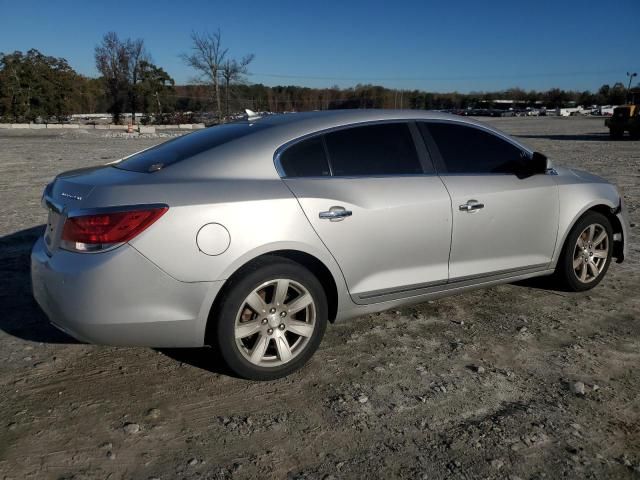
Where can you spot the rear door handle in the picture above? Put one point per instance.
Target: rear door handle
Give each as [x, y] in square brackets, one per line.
[335, 214]
[471, 206]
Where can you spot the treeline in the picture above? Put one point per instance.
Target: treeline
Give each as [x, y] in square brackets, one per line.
[293, 98]
[38, 88]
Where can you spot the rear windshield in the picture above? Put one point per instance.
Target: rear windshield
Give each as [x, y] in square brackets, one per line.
[181, 148]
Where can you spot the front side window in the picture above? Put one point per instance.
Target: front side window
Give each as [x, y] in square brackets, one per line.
[471, 150]
[381, 149]
[305, 159]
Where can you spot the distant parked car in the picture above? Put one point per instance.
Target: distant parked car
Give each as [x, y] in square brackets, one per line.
[252, 236]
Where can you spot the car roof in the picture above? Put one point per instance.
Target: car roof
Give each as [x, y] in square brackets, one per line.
[253, 154]
[334, 118]
[288, 126]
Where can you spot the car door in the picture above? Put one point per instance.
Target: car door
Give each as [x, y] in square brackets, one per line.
[503, 222]
[377, 205]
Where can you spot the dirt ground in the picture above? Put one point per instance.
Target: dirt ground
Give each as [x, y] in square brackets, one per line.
[398, 394]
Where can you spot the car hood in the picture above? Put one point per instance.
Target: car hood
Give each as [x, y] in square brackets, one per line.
[580, 174]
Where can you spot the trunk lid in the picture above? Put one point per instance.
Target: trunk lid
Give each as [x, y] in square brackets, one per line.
[72, 191]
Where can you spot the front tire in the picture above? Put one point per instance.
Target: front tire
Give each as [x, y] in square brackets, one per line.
[271, 319]
[586, 254]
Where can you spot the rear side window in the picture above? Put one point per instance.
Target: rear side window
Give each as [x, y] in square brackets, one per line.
[471, 150]
[181, 148]
[385, 149]
[305, 159]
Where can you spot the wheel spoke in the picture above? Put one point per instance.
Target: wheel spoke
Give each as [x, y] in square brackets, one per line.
[577, 262]
[580, 241]
[259, 348]
[256, 303]
[592, 232]
[299, 303]
[600, 253]
[300, 328]
[593, 269]
[600, 238]
[247, 329]
[583, 272]
[284, 351]
[282, 287]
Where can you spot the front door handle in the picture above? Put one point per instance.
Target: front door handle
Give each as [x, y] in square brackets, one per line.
[335, 214]
[471, 206]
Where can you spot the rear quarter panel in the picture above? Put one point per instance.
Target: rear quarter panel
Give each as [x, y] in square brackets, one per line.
[261, 216]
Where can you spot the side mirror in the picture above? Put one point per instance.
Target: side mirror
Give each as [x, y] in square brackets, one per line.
[534, 165]
[538, 163]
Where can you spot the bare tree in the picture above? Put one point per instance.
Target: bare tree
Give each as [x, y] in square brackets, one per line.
[233, 71]
[119, 63]
[113, 63]
[138, 56]
[207, 58]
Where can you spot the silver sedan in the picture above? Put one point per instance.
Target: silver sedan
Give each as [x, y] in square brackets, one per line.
[252, 236]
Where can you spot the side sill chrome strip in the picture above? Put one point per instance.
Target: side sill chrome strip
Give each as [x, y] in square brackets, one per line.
[396, 291]
[435, 287]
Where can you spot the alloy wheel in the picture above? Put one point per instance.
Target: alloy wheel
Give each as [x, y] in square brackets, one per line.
[275, 323]
[590, 253]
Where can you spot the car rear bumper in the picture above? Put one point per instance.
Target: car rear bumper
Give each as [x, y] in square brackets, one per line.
[119, 298]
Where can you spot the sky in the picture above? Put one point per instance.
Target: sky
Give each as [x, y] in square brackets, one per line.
[459, 45]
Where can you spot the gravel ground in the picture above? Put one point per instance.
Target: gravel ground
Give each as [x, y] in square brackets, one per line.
[516, 382]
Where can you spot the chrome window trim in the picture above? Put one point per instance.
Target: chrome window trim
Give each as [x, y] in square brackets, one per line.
[282, 148]
[355, 177]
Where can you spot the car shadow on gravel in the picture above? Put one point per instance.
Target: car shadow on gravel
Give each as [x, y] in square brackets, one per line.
[21, 316]
[205, 358]
[547, 283]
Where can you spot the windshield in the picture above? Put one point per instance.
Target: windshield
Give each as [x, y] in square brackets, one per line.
[181, 148]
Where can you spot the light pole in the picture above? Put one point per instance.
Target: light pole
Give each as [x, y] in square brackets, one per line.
[630, 75]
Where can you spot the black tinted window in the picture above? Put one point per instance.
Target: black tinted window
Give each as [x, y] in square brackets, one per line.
[386, 149]
[186, 146]
[471, 150]
[305, 159]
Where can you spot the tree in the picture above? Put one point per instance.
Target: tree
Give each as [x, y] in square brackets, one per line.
[618, 94]
[119, 63]
[233, 71]
[137, 56]
[34, 85]
[207, 59]
[155, 88]
[113, 63]
[210, 60]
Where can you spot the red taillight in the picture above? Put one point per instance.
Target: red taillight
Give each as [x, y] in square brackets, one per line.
[104, 229]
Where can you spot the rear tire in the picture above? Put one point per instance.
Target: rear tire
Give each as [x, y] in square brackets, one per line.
[271, 319]
[586, 254]
[635, 133]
